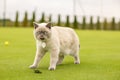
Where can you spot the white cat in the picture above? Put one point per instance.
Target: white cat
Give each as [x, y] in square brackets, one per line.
[59, 41]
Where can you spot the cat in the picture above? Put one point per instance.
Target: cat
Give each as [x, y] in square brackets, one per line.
[59, 41]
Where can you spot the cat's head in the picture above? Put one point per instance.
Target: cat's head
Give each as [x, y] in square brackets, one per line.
[42, 31]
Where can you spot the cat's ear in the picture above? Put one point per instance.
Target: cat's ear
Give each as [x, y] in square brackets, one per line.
[49, 25]
[35, 25]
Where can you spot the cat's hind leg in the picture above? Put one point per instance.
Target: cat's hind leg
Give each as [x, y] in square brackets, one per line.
[60, 59]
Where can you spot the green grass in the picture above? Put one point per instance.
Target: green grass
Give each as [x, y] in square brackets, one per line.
[100, 57]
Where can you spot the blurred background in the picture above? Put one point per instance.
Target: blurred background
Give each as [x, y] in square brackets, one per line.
[78, 14]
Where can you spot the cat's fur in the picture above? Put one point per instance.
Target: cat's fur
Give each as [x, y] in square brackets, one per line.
[59, 41]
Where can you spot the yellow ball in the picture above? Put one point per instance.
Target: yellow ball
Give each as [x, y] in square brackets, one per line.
[6, 43]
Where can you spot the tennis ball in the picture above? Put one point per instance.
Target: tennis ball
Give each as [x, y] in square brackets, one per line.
[6, 43]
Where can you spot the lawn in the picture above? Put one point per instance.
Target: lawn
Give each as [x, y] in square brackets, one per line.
[100, 57]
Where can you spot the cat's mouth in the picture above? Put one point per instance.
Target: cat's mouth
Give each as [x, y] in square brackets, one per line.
[42, 38]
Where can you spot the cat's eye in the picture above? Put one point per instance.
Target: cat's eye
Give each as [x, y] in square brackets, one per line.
[43, 32]
[38, 32]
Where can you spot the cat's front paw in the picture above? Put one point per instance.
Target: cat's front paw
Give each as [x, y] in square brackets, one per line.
[32, 66]
[77, 62]
[51, 68]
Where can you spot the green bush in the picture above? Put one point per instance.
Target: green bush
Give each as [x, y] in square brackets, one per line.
[75, 22]
[119, 25]
[59, 20]
[50, 18]
[67, 24]
[84, 23]
[98, 24]
[16, 19]
[113, 26]
[105, 24]
[91, 25]
[33, 19]
[42, 18]
[25, 20]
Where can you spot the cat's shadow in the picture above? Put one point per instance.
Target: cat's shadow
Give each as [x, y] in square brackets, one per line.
[60, 66]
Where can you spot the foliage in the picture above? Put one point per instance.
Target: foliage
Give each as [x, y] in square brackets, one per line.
[91, 25]
[98, 24]
[75, 22]
[67, 24]
[50, 18]
[119, 25]
[42, 18]
[59, 20]
[84, 22]
[16, 19]
[105, 24]
[113, 26]
[25, 20]
[33, 19]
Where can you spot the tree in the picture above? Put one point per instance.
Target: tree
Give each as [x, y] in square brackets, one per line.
[42, 18]
[84, 23]
[75, 22]
[91, 26]
[33, 19]
[16, 19]
[113, 26]
[119, 25]
[105, 24]
[50, 18]
[67, 24]
[59, 20]
[25, 20]
[98, 23]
